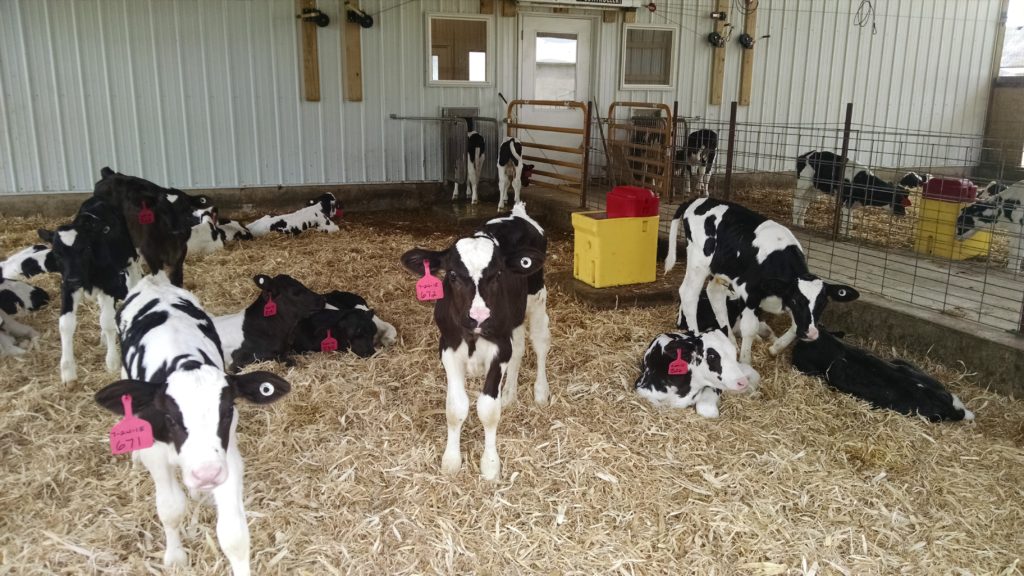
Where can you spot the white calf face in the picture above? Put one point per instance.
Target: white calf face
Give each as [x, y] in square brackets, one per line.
[718, 363]
[200, 414]
[477, 271]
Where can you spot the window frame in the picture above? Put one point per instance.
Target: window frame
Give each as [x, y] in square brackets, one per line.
[674, 57]
[489, 61]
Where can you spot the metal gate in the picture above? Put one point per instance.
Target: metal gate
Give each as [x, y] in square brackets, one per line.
[640, 146]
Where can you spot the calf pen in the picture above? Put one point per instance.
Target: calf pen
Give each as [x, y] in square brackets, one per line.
[878, 255]
[343, 475]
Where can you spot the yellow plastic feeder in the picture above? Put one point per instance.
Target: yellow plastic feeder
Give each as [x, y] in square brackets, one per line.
[614, 251]
[935, 232]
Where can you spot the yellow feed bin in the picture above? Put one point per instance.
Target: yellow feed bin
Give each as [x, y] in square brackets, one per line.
[614, 251]
[935, 233]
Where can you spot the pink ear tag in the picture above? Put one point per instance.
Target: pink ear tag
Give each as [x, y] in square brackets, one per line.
[146, 215]
[678, 367]
[428, 287]
[131, 433]
[270, 308]
[328, 344]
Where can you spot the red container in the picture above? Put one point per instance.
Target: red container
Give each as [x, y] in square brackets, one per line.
[950, 190]
[631, 202]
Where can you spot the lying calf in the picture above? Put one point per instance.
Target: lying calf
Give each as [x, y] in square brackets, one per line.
[385, 335]
[317, 215]
[176, 381]
[896, 385]
[206, 236]
[265, 330]
[351, 330]
[710, 367]
[15, 297]
[29, 262]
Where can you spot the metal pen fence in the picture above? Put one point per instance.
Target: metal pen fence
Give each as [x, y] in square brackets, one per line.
[914, 258]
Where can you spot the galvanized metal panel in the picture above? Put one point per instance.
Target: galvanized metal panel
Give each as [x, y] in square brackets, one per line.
[206, 93]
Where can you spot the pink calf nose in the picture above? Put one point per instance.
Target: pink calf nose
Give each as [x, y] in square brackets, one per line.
[742, 383]
[812, 333]
[479, 314]
[208, 474]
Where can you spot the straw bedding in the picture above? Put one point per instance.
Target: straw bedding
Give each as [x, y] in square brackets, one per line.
[342, 476]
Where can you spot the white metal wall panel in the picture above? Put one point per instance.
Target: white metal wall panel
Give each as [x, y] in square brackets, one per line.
[207, 93]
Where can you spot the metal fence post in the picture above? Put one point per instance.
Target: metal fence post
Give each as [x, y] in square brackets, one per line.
[842, 171]
[732, 151]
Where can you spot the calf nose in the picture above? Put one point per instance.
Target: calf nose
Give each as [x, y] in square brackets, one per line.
[742, 383]
[208, 475]
[479, 314]
[812, 333]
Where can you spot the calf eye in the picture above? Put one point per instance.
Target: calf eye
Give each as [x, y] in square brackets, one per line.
[526, 262]
[267, 389]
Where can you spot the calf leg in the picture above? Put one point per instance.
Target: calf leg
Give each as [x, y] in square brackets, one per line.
[718, 297]
[473, 177]
[748, 329]
[801, 199]
[455, 191]
[108, 328]
[702, 180]
[232, 530]
[707, 402]
[456, 407]
[170, 499]
[502, 187]
[509, 390]
[488, 409]
[517, 183]
[8, 347]
[17, 329]
[540, 338]
[687, 176]
[68, 323]
[689, 292]
[782, 342]
[386, 334]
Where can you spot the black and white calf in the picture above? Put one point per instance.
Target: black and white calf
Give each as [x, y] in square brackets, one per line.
[162, 240]
[700, 151]
[998, 207]
[97, 259]
[233, 229]
[821, 173]
[206, 236]
[756, 259]
[897, 385]
[510, 171]
[175, 376]
[316, 215]
[16, 297]
[711, 367]
[385, 334]
[265, 330]
[475, 155]
[493, 287]
[29, 262]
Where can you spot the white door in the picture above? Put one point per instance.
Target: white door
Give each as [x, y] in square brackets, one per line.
[555, 65]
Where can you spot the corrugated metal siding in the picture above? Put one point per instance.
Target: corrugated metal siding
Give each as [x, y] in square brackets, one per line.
[206, 93]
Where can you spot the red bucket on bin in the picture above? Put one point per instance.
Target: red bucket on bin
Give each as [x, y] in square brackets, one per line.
[631, 202]
[950, 189]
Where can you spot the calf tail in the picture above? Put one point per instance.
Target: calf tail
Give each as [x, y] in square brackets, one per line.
[673, 238]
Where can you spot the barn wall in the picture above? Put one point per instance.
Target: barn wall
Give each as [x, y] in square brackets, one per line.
[200, 94]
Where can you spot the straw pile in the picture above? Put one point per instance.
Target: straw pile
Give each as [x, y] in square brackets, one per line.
[342, 476]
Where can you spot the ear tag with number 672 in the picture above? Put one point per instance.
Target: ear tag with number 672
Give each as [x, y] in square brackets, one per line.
[678, 367]
[131, 433]
[428, 287]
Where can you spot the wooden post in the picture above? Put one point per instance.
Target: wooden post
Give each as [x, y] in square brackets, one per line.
[747, 63]
[487, 6]
[842, 171]
[629, 15]
[610, 16]
[310, 54]
[732, 151]
[508, 8]
[718, 58]
[353, 50]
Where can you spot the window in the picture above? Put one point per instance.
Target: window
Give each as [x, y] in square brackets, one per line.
[459, 49]
[555, 68]
[1012, 62]
[648, 57]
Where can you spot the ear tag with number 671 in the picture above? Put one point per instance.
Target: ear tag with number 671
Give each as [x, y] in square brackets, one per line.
[678, 367]
[428, 287]
[131, 433]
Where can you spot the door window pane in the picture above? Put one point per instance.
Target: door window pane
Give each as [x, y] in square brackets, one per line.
[648, 57]
[555, 67]
[458, 50]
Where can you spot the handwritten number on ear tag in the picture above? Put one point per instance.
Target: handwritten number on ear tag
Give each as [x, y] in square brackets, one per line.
[146, 216]
[328, 344]
[428, 287]
[270, 308]
[678, 367]
[131, 433]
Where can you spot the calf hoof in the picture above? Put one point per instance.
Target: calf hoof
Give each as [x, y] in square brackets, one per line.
[68, 373]
[475, 202]
[541, 395]
[774, 350]
[175, 557]
[490, 467]
[707, 410]
[113, 362]
[451, 462]
[389, 337]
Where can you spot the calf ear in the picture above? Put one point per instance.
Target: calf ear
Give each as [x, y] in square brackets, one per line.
[142, 394]
[259, 387]
[45, 235]
[841, 292]
[525, 261]
[413, 260]
[263, 281]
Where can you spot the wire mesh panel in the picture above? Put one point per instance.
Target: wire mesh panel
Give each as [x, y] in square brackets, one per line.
[638, 144]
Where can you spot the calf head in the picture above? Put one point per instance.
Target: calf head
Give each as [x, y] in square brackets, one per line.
[94, 242]
[806, 297]
[714, 361]
[710, 357]
[16, 295]
[978, 215]
[482, 280]
[353, 329]
[292, 299]
[329, 206]
[195, 412]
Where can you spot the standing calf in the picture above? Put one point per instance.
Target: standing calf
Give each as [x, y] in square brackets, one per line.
[176, 380]
[758, 260]
[510, 170]
[475, 155]
[701, 150]
[493, 285]
[1000, 207]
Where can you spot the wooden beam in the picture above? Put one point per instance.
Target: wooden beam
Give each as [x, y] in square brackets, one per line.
[747, 63]
[487, 6]
[508, 8]
[310, 54]
[718, 58]
[610, 16]
[353, 50]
